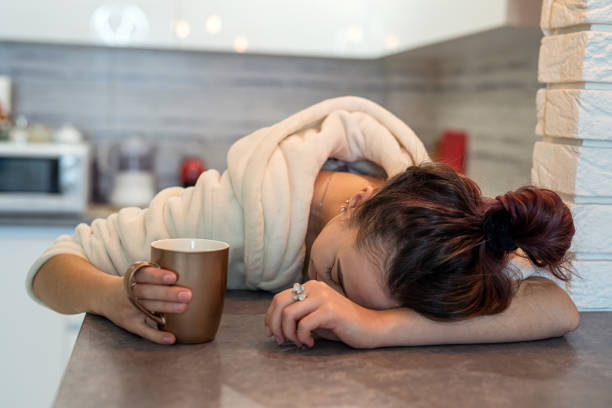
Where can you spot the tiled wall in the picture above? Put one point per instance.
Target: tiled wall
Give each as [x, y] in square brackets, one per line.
[184, 101]
[483, 84]
[188, 101]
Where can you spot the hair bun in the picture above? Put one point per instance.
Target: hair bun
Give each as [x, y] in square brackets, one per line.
[498, 232]
[541, 225]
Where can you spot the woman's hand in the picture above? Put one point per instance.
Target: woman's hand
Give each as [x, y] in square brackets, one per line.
[155, 291]
[324, 313]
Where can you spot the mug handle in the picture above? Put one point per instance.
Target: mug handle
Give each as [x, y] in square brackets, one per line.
[129, 287]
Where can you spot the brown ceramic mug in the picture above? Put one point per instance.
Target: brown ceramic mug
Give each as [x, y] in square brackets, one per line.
[200, 265]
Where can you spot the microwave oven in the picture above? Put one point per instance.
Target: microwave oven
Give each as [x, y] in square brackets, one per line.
[44, 178]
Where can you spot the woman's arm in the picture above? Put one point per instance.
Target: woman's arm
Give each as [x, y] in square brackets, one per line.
[71, 284]
[540, 309]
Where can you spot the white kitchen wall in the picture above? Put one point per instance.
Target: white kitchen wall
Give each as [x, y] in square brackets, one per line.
[351, 28]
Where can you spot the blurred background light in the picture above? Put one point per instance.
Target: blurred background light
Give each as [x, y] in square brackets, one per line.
[213, 24]
[119, 24]
[391, 42]
[241, 43]
[182, 29]
[354, 34]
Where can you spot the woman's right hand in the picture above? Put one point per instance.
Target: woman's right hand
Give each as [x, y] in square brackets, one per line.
[155, 290]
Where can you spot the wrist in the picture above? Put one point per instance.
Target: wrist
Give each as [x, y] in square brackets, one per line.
[394, 327]
[105, 297]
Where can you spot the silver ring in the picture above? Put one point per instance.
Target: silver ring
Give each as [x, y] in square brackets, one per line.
[298, 292]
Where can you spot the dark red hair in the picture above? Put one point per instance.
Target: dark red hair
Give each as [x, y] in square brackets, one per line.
[428, 223]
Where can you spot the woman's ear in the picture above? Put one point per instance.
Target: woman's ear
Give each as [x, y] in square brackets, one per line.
[361, 196]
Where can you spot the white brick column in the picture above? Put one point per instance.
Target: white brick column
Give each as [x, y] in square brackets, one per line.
[574, 155]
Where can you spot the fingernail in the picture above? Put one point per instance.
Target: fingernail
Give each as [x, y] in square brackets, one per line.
[179, 307]
[168, 278]
[167, 340]
[278, 340]
[184, 296]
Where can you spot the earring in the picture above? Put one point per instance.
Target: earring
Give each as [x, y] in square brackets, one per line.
[345, 206]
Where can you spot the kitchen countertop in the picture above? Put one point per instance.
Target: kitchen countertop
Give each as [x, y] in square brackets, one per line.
[56, 219]
[110, 367]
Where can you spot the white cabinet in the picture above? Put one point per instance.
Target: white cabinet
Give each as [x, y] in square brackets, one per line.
[340, 28]
[36, 342]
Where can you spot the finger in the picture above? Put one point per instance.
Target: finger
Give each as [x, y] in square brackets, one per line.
[292, 314]
[267, 319]
[156, 336]
[281, 300]
[164, 307]
[155, 275]
[307, 325]
[165, 293]
[273, 305]
[326, 334]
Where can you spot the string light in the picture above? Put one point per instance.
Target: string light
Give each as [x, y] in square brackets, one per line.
[241, 43]
[182, 29]
[391, 42]
[213, 24]
[354, 34]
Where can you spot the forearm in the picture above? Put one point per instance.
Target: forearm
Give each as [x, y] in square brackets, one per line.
[70, 284]
[538, 310]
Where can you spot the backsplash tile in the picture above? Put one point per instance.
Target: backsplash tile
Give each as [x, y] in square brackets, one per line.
[202, 102]
[483, 84]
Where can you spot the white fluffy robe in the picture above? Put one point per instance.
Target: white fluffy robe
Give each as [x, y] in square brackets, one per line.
[260, 204]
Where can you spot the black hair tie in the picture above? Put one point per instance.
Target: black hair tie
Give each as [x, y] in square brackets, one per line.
[496, 228]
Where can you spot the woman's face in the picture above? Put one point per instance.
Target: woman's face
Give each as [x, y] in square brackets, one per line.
[335, 260]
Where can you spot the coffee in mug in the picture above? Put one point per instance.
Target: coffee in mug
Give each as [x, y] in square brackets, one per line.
[200, 265]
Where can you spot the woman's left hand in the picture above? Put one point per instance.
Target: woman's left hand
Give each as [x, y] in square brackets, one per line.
[325, 313]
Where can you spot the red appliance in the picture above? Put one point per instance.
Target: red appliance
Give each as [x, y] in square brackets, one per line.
[452, 149]
[191, 168]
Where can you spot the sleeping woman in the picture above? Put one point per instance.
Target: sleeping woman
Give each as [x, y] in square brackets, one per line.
[418, 258]
[425, 259]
